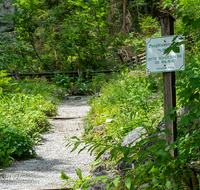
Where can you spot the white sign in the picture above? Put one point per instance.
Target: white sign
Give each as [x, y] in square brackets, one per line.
[157, 61]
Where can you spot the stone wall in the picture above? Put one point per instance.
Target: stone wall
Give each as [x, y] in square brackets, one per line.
[6, 7]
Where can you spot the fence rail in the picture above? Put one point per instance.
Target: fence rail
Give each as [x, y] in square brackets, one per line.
[136, 60]
[50, 75]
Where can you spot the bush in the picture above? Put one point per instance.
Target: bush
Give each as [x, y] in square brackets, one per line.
[23, 116]
[149, 25]
[4, 81]
[19, 142]
[129, 101]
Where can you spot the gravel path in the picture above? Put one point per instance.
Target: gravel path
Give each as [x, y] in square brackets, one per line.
[43, 172]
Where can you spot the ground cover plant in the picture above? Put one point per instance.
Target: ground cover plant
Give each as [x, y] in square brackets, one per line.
[82, 85]
[128, 108]
[123, 105]
[23, 115]
[128, 101]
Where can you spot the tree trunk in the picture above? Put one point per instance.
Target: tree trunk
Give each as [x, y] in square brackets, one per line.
[145, 7]
[124, 17]
[138, 10]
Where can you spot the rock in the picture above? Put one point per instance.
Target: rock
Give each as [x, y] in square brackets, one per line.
[98, 168]
[98, 129]
[134, 135]
[110, 120]
[66, 95]
[77, 98]
[73, 97]
[182, 111]
[98, 185]
[123, 165]
[100, 171]
[159, 127]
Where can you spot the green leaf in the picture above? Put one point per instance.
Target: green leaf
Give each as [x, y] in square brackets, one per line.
[191, 118]
[64, 176]
[169, 110]
[175, 187]
[167, 131]
[166, 120]
[74, 137]
[128, 183]
[154, 170]
[75, 146]
[172, 117]
[195, 23]
[104, 180]
[85, 185]
[156, 181]
[167, 51]
[102, 152]
[82, 149]
[179, 15]
[79, 173]
[168, 184]
[184, 120]
[185, 19]
[9, 151]
[198, 113]
[116, 181]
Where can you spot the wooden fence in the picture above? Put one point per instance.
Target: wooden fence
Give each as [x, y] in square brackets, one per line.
[50, 75]
[131, 63]
[137, 60]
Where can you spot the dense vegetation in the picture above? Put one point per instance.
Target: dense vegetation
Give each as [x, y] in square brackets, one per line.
[24, 109]
[57, 35]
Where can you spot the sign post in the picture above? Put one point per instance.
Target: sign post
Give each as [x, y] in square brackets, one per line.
[169, 91]
[157, 61]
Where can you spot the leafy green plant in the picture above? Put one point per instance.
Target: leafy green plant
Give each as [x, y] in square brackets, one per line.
[19, 144]
[125, 101]
[149, 25]
[4, 81]
[40, 86]
[63, 80]
[23, 112]
[82, 182]
[161, 171]
[5, 154]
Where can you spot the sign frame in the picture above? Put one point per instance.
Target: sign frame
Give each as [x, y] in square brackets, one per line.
[164, 63]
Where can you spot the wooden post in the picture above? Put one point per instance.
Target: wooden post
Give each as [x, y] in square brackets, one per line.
[136, 59]
[131, 62]
[169, 92]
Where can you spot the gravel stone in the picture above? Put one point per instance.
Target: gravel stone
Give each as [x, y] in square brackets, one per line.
[43, 172]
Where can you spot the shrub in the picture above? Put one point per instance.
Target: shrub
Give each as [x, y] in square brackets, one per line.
[19, 142]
